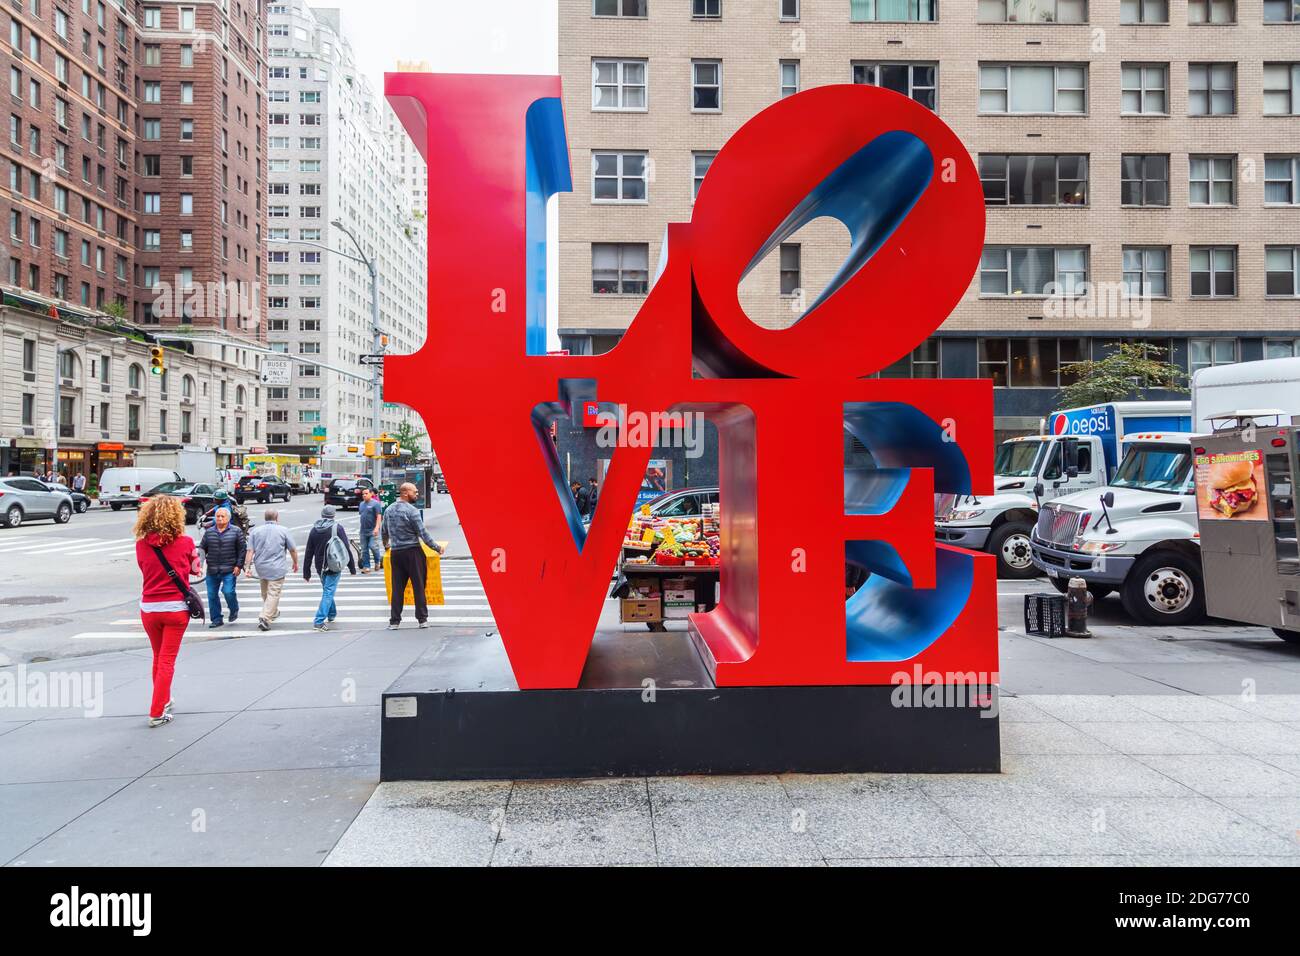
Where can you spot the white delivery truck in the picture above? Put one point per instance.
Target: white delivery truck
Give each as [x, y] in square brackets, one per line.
[1078, 452]
[1139, 535]
[198, 465]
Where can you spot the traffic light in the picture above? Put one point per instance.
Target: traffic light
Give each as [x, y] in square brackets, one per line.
[370, 448]
[389, 448]
[157, 364]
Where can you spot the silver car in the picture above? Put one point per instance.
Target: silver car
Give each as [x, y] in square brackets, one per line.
[22, 499]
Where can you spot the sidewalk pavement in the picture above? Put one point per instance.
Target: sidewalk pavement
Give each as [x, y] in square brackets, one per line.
[273, 759]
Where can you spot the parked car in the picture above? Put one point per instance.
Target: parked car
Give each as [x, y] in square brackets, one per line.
[346, 492]
[123, 486]
[440, 485]
[22, 499]
[683, 503]
[263, 488]
[196, 497]
[80, 500]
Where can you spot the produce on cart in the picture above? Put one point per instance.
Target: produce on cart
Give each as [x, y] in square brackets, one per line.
[686, 547]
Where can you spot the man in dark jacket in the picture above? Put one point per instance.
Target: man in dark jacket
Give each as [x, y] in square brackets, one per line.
[403, 530]
[223, 548]
[593, 496]
[322, 533]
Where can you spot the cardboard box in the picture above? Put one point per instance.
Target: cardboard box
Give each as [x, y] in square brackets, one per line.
[678, 610]
[684, 596]
[634, 611]
[643, 588]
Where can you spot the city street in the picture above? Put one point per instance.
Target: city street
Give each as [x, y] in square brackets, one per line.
[68, 590]
[1172, 746]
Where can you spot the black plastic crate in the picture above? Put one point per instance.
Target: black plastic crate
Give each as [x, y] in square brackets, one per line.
[1045, 614]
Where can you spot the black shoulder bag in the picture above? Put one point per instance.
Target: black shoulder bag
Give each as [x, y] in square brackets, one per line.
[192, 602]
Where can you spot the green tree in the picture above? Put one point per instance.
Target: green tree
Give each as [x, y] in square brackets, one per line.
[116, 309]
[1122, 374]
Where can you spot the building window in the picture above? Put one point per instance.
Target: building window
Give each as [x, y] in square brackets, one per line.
[1204, 353]
[1033, 270]
[1144, 88]
[618, 177]
[1033, 88]
[1143, 11]
[1033, 11]
[923, 362]
[791, 268]
[1281, 11]
[1281, 348]
[1146, 271]
[892, 11]
[620, 268]
[1281, 180]
[1212, 11]
[1212, 180]
[706, 9]
[918, 81]
[700, 163]
[1144, 179]
[789, 9]
[1214, 271]
[618, 8]
[1028, 179]
[1030, 362]
[1281, 89]
[706, 85]
[1282, 270]
[153, 18]
[618, 84]
[789, 78]
[1211, 89]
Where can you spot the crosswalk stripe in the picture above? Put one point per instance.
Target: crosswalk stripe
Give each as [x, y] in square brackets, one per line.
[48, 548]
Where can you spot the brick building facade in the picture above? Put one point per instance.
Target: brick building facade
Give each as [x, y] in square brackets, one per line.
[1136, 145]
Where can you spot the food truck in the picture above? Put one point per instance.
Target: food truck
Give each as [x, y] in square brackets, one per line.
[1246, 472]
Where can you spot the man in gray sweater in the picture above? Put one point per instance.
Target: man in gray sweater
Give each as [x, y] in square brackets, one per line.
[402, 530]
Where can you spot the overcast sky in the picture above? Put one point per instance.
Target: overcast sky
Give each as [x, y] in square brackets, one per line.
[454, 36]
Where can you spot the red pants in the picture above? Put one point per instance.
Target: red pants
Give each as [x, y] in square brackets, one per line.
[165, 630]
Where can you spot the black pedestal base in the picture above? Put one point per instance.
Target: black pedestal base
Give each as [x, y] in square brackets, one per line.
[646, 706]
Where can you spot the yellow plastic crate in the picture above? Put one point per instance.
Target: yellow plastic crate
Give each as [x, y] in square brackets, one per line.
[432, 579]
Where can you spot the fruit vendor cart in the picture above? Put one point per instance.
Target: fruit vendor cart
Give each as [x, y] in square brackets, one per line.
[670, 568]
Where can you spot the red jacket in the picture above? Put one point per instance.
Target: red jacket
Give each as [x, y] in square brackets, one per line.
[157, 585]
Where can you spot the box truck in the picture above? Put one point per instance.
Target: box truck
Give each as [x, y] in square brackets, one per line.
[192, 464]
[1078, 451]
[1140, 535]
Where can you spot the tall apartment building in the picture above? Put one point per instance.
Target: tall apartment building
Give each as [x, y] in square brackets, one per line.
[131, 211]
[69, 206]
[1140, 147]
[201, 162]
[331, 159]
[410, 163]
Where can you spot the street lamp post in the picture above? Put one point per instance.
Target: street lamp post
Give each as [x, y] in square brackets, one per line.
[376, 339]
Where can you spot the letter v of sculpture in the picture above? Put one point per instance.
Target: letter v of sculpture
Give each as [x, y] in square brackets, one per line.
[793, 518]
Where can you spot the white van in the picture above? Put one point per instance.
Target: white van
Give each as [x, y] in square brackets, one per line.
[123, 486]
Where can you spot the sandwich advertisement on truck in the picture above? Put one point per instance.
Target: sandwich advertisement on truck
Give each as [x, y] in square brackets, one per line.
[1228, 486]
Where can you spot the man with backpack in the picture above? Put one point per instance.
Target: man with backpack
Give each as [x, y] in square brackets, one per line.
[329, 551]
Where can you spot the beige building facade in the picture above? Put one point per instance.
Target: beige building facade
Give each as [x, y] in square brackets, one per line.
[1140, 162]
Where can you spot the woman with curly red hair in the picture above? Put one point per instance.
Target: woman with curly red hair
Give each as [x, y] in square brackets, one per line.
[161, 544]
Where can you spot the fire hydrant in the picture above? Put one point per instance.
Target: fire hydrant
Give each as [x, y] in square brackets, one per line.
[1078, 601]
